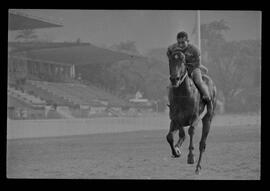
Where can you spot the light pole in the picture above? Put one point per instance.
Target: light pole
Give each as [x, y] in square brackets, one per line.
[198, 18]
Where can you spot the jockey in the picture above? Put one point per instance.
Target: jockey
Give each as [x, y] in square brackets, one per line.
[192, 56]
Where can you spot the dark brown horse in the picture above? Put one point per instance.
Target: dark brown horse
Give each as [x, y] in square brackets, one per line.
[186, 106]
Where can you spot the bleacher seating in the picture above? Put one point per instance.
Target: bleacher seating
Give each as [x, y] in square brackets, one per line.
[30, 99]
[78, 94]
[44, 94]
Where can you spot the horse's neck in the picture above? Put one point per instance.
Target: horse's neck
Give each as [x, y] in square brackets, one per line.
[184, 89]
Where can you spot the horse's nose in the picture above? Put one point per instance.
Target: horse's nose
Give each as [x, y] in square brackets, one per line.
[174, 79]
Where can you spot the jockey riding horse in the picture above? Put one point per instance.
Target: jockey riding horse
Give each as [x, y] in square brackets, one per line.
[189, 93]
[192, 56]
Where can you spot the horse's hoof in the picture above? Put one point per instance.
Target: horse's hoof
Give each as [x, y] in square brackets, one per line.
[177, 150]
[191, 159]
[175, 156]
[198, 169]
[177, 153]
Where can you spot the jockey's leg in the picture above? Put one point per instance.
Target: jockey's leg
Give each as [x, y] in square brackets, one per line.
[197, 78]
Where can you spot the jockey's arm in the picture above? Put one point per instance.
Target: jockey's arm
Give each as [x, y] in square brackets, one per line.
[194, 60]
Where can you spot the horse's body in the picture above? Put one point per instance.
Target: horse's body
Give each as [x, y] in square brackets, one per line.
[185, 101]
[186, 106]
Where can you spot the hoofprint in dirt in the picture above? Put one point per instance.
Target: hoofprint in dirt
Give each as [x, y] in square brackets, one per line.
[233, 152]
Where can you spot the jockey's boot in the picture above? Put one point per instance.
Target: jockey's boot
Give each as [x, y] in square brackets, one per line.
[204, 92]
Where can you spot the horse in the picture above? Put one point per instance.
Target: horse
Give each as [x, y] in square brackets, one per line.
[186, 107]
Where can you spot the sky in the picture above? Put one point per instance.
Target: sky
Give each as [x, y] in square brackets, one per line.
[148, 28]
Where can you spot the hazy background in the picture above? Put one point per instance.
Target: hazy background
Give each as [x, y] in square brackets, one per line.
[148, 28]
[230, 49]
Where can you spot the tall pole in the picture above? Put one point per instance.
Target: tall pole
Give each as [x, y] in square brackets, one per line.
[198, 17]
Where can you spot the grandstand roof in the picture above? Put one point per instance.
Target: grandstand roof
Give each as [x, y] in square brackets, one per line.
[27, 46]
[83, 54]
[21, 21]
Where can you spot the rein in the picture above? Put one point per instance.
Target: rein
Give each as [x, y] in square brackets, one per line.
[181, 81]
[183, 78]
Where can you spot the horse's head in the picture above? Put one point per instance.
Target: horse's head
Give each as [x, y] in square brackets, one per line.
[177, 68]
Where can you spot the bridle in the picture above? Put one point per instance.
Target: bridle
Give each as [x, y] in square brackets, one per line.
[184, 76]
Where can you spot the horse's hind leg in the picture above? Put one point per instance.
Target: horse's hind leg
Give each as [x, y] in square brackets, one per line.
[206, 120]
[191, 158]
[170, 139]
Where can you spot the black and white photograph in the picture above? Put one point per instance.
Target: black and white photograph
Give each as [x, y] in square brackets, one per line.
[128, 94]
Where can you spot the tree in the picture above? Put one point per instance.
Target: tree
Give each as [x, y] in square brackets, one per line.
[213, 47]
[128, 46]
[127, 76]
[27, 35]
[232, 65]
[155, 86]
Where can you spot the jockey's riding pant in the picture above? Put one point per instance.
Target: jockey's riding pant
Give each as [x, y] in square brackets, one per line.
[196, 75]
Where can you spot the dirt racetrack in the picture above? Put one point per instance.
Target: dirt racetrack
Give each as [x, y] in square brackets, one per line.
[233, 151]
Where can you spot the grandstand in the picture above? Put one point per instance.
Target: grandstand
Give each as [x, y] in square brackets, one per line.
[76, 93]
[23, 105]
[34, 101]
[43, 75]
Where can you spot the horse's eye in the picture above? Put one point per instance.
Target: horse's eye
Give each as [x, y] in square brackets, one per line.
[177, 78]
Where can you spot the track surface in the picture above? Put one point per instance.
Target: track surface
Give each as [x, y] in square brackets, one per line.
[232, 152]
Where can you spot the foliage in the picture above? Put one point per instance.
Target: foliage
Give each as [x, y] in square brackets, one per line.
[233, 65]
[128, 46]
[131, 76]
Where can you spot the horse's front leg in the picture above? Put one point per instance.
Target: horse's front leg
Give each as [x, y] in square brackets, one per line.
[170, 139]
[181, 139]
